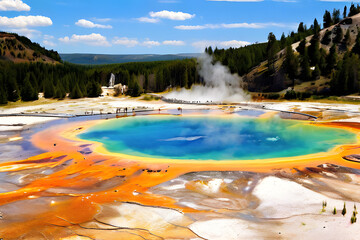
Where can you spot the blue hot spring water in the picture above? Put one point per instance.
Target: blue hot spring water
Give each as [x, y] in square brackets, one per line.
[215, 138]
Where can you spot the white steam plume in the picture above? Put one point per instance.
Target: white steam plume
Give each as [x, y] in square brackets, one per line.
[219, 85]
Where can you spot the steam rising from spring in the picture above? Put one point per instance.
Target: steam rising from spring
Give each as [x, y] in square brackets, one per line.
[219, 85]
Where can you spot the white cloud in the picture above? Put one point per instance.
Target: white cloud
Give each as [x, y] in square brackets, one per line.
[233, 43]
[101, 19]
[93, 39]
[173, 43]
[13, 5]
[349, 1]
[148, 20]
[88, 24]
[30, 33]
[149, 43]
[234, 25]
[49, 43]
[201, 45]
[48, 37]
[125, 42]
[25, 22]
[180, 16]
[191, 27]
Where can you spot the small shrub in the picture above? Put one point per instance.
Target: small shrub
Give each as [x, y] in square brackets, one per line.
[273, 96]
[353, 219]
[344, 210]
[290, 94]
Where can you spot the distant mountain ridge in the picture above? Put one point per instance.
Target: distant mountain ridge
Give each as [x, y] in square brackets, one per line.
[99, 59]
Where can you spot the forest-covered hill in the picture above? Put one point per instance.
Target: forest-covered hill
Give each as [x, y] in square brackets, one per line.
[327, 57]
[101, 59]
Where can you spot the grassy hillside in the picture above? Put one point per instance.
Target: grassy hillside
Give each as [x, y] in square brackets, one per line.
[20, 49]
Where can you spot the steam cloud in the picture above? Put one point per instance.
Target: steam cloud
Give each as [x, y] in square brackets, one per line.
[219, 85]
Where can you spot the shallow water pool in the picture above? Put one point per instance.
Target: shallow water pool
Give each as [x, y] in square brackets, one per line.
[215, 137]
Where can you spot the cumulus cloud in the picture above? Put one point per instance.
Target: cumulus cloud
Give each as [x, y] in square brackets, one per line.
[30, 33]
[125, 42]
[179, 16]
[25, 22]
[148, 20]
[13, 5]
[149, 43]
[93, 39]
[88, 24]
[173, 43]
[233, 25]
[48, 41]
[201, 45]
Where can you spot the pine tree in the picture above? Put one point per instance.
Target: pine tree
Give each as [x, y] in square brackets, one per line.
[185, 79]
[13, 92]
[301, 28]
[283, 41]
[331, 59]
[316, 26]
[356, 48]
[327, 20]
[3, 94]
[353, 10]
[336, 16]
[272, 49]
[291, 63]
[210, 51]
[159, 80]
[338, 34]
[347, 38]
[316, 73]
[60, 91]
[326, 38]
[314, 50]
[305, 67]
[49, 91]
[126, 78]
[93, 89]
[302, 46]
[345, 12]
[322, 62]
[76, 92]
[28, 93]
[134, 87]
[146, 83]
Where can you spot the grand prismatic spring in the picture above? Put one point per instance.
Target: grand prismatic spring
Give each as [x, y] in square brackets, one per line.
[133, 177]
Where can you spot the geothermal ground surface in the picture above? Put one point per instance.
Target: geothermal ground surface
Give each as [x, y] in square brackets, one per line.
[80, 189]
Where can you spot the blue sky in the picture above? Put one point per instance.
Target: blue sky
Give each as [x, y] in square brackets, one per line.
[156, 26]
